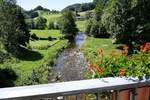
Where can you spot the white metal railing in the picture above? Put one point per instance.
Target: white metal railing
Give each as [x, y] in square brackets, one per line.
[71, 88]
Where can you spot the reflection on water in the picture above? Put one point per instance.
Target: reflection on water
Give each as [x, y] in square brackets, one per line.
[70, 64]
[79, 39]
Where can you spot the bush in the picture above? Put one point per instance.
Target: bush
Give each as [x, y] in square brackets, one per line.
[34, 36]
[7, 76]
[30, 23]
[51, 25]
[136, 65]
[96, 28]
[40, 23]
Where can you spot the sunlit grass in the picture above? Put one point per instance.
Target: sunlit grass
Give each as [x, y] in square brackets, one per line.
[81, 25]
[91, 46]
[47, 33]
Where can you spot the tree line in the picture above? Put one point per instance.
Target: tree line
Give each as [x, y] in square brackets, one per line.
[127, 21]
[81, 7]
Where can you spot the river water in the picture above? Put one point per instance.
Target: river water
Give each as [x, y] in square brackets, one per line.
[70, 64]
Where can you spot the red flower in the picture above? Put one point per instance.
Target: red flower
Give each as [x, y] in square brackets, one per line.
[125, 47]
[99, 70]
[122, 52]
[145, 47]
[112, 53]
[101, 51]
[122, 72]
[90, 66]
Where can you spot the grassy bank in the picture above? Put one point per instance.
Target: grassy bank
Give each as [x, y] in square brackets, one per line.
[32, 66]
[91, 46]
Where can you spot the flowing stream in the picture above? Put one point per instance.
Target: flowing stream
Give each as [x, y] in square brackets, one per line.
[70, 64]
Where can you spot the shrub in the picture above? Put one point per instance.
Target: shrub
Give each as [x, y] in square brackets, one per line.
[40, 23]
[34, 36]
[51, 25]
[96, 28]
[136, 65]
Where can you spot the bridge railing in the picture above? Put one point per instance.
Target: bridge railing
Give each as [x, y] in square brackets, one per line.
[96, 86]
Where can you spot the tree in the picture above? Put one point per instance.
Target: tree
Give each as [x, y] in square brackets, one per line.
[13, 30]
[68, 26]
[128, 21]
[30, 23]
[40, 23]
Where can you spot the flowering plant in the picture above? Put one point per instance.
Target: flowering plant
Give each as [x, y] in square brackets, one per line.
[136, 65]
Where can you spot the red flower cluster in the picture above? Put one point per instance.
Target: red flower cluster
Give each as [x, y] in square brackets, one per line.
[145, 47]
[101, 51]
[125, 49]
[99, 70]
[122, 72]
[123, 52]
[90, 66]
[112, 53]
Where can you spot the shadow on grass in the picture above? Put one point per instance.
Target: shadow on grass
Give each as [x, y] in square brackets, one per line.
[7, 77]
[28, 55]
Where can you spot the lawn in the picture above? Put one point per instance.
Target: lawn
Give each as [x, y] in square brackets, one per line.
[81, 25]
[44, 57]
[47, 33]
[51, 17]
[91, 46]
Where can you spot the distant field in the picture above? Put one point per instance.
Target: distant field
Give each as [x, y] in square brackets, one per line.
[47, 33]
[84, 13]
[81, 25]
[51, 17]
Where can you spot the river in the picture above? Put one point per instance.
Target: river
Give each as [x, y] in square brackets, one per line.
[70, 64]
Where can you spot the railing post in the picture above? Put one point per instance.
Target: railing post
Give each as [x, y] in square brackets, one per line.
[98, 97]
[118, 96]
[78, 97]
[133, 94]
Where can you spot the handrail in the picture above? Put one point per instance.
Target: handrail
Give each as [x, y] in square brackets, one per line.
[70, 88]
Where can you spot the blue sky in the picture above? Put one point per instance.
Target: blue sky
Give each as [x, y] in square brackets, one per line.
[50, 4]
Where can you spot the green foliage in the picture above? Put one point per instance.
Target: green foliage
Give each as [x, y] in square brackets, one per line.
[7, 76]
[91, 51]
[96, 28]
[81, 7]
[68, 26]
[53, 25]
[30, 23]
[128, 21]
[136, 65]
[13, 30]
[40, 23]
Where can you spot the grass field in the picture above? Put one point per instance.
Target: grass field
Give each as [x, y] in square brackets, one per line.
[47, 33]
[25, 67]
[51, 17]
[81, 25]
[91, 46]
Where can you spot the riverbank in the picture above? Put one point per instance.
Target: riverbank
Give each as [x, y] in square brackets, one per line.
[91, 46]
[33, 66]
